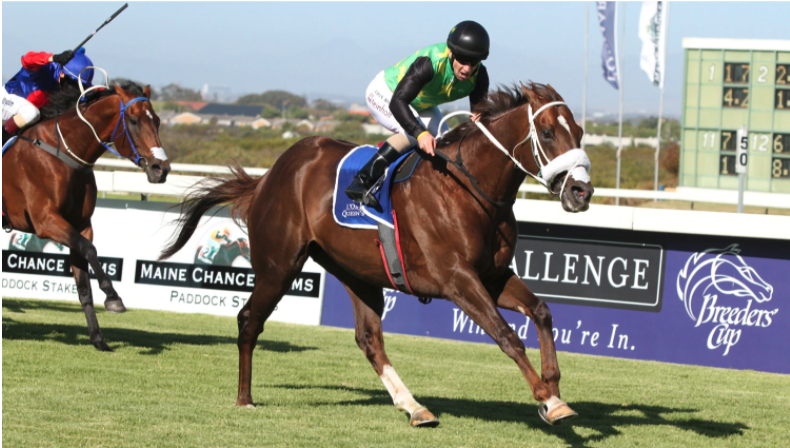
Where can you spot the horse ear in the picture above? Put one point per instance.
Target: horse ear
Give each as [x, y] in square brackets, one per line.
[147, 91]
[548, 86]
[529, 93]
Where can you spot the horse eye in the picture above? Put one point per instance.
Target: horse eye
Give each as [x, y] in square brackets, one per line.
[547, 133]
[133, 121]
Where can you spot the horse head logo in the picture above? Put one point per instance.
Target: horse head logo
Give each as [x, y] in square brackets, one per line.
[722, 271]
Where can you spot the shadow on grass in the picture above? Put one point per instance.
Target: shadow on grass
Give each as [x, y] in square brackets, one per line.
[20, 306]
[603, 419]
[153, 342]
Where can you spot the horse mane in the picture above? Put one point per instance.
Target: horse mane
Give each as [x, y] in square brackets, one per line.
[496, 104]
[65, 98]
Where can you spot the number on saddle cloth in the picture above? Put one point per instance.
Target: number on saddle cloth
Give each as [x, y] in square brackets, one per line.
[348, 213]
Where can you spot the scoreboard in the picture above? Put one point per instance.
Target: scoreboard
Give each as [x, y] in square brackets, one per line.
[729, 83]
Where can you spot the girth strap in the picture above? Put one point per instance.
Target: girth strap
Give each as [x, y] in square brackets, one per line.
[392, 261]
[73, 164]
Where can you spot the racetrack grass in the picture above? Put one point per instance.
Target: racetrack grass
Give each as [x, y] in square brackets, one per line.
[172, 382]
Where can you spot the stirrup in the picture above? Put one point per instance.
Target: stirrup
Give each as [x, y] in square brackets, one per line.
[369, 198]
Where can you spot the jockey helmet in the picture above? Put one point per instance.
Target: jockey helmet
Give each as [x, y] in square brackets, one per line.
[79, 62]
[469, 39]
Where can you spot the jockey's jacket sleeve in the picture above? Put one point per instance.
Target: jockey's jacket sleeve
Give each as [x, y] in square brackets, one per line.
[417, 76]
[38, 98]
[35, 60]
[481, 88]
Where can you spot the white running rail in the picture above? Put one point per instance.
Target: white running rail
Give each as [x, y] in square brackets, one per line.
[136, 182]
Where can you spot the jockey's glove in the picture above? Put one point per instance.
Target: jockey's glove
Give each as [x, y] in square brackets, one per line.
[64, 57]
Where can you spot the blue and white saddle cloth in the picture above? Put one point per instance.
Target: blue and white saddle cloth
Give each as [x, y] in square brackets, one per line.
[350, 214]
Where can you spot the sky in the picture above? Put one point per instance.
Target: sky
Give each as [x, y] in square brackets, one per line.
[333, 50]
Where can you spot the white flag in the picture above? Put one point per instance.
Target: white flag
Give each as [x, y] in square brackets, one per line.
[653, 23]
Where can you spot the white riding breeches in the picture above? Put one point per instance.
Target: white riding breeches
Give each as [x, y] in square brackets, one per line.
[378, 97]
[16, 105]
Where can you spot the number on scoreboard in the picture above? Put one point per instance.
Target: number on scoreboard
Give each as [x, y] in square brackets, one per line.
[736, 97]
[780, 168]
[783, 74]
[727, 166]
[728, 141]
[736, 73]
[782, 99]
[782, 143]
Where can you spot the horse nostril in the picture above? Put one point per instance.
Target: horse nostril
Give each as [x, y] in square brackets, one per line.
[156, 168]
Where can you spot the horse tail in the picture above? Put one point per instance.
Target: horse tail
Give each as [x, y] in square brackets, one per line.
[237, 191]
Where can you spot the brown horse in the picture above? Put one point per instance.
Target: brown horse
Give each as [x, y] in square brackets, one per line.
[456, 244]
[45, 196]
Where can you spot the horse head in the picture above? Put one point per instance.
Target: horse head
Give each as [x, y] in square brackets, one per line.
[553, 151]
[141, 126]
[721, 271]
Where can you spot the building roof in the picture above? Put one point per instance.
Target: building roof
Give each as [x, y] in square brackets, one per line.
[705, 43]
[166, 114]
[195, 105]
[231, 109]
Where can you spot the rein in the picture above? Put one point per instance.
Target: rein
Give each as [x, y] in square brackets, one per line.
[459, 163]
[110, 146]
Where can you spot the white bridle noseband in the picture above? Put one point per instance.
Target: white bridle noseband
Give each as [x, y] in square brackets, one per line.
[575, 162]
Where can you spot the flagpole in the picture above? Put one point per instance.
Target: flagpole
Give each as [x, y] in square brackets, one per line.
[658, 142]
[586, 64]
[665, 34]
[620, 83]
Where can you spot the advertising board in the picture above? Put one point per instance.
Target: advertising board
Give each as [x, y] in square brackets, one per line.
[211, 274]
[712, 301]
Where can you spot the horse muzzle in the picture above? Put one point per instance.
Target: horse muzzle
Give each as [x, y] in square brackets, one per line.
[157, 170]
[576, 196]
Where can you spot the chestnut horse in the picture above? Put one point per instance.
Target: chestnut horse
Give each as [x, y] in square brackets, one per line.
[456, 244]
[45, 196]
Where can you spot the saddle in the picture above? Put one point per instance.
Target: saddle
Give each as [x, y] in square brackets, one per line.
[356, 216]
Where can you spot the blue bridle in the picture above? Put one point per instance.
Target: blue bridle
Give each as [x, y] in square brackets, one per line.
[135, 157]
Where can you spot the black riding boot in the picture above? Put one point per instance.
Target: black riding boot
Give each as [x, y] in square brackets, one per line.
[359, 190]
[6, 135]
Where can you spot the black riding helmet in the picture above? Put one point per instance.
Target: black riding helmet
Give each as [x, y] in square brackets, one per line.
[469, 39]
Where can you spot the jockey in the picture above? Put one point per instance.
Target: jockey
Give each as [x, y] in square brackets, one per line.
[41, 74]
[404, 98]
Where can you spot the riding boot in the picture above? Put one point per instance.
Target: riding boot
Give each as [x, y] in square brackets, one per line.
[6, 135]
[360, 189]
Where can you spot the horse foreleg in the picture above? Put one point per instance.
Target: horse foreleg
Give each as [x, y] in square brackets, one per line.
[368, 304]
[56, 228]
[471, 296]
[79, 267]
[112, 302]
[512, 294]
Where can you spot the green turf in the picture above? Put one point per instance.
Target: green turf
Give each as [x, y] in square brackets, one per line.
[172, 382]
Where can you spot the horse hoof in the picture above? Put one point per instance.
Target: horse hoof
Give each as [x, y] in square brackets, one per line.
[114, 306]
[102, 347]
[423, 418]
[245, 404]
[555, 411]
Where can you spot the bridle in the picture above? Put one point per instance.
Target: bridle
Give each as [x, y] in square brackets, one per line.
[110, 146]
[574, 162]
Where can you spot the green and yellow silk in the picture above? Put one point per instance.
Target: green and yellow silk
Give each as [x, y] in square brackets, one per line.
[443, 88]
